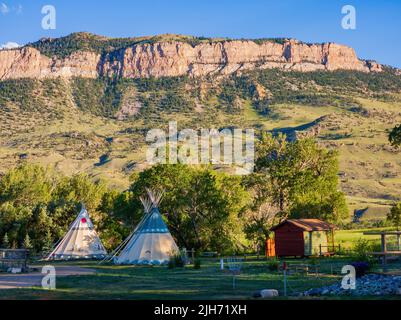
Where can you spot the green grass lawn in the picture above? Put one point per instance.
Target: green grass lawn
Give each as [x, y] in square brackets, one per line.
[148, 283]
[128, 282]
[347, 238]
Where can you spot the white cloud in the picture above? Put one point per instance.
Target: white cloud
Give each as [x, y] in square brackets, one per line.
[4, 9]
[9, 45]
[18, 9]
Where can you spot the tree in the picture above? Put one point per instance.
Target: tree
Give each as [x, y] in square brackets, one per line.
[42, 203]
[258, 224]
[395, 136]
[38, 226]
[394, 215]
[202, 207]
[262, 213]
[14, 245]
[48, 242]
[6, 241]
[302, 177]
[27, 242]
[27, 185]
[272, 160]
[111, 231]
[81, 188]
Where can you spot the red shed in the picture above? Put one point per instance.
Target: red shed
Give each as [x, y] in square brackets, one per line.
[303, 237]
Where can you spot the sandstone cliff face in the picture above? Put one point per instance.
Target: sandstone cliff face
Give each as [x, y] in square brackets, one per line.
[173, 58]
[29, 63]
[25, 62]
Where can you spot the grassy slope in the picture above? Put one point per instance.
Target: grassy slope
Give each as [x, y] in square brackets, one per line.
[57, 123]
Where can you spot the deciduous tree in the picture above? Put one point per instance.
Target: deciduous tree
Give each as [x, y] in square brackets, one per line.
[302, 177]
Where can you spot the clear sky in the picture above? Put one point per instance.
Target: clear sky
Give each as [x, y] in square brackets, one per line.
[377, 35]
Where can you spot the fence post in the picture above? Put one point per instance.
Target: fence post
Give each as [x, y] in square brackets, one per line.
[193, 255]
[320, 249]
[184, 252]
[285, 278]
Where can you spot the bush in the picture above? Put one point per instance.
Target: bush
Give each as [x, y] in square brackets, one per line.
[179, 261]
[360, 268]
[273, 264]
[197, 263]
[176, 261]
[171, 264]
[361, 250]
[342, 251]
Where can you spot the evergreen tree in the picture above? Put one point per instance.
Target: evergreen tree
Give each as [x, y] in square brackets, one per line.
[6, 241]
[27, 242]
[48, 242]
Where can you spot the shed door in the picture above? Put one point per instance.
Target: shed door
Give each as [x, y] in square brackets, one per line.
[315, 243]
[319, 242]
[308, 243]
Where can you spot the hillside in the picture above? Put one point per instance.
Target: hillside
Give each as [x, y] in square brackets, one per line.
[85, 103]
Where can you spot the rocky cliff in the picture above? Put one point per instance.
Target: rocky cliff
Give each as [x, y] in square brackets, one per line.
[175, 58]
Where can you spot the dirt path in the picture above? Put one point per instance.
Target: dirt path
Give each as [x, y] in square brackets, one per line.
[34, 279]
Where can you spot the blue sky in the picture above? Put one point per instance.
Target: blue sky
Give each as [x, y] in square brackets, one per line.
[377, 35]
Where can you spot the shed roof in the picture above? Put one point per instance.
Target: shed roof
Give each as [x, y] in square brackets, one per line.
[308, 224]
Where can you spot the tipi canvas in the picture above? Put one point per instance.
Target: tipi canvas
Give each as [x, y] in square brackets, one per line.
[151, 242]
[80, 242]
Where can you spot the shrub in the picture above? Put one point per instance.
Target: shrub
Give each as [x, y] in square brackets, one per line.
[197, 263]
[361, 250]
[176, 261]
[179, 261]
[171, 264]
[360, 268]
[394, 216]
[342, 251]
[273, 264]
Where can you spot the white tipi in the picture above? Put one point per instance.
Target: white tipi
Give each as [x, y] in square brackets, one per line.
[151, 242]
[80, 242]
